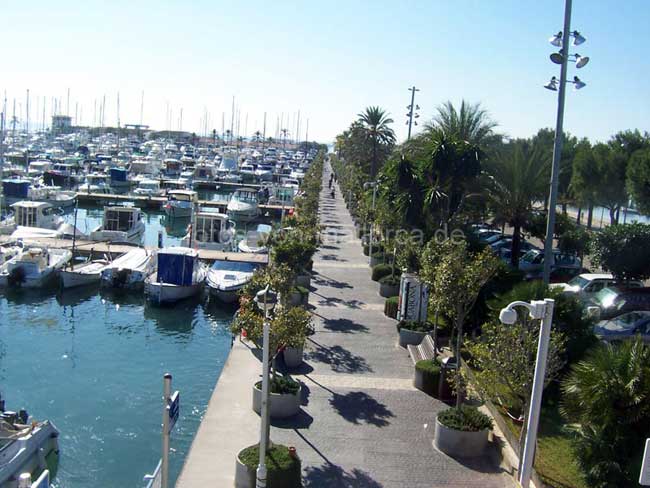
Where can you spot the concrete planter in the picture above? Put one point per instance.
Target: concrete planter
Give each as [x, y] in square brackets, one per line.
[387, 291]
[244, 476]
[374, 261]
[411, 337]
[292, 356]
[459, 443]
[426, 383]
[296, 299]
[303, 280]
[281, 405]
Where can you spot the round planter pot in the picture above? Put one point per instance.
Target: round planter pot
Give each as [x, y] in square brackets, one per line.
[295, 299]
[388, 291]
[303, 280]
[281, 405]
[426, 382]
[375, 261]
[459, 443]
[292, 356]
[411, 337]
[244, 476]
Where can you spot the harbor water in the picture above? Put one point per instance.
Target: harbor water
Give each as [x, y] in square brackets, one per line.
[92, 362]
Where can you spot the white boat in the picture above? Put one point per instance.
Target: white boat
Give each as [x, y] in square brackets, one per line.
[129, 270]
[40, 215]
[179, 275]
[38, 167]
[120, 225]
[53, 195]
[26, 447]
[210, 230]
[34, 267]
[243, 205]
[203, 173]
[255, 239]
[283, 195]
[83, 274]
[264, 172]
[226, 278]
[180, 203]
[148, 188]
[247, 171]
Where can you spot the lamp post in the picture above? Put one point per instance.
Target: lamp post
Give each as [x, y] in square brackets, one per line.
[265, 300]
[412, 114]
[561, 58]
[538, 310]
[366, 186]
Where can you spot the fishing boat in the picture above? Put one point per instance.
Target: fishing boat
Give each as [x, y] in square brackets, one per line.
[255, 241]
[129, 270]
[120, 225]
[87, 273]
[179, 275]
[148, 188]
[210, 230]
[53, 195]
[180, 203]
[243, 205]
[25, 447]
[226, 278]
[34, 267]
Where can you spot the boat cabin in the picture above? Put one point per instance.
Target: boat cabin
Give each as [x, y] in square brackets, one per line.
[183, 196]
[121, 219]
[34, 214]
[176, 265]
[211, 228]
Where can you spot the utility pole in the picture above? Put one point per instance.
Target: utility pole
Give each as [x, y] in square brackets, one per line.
[411, 110]
[27, 113]
[141, 106]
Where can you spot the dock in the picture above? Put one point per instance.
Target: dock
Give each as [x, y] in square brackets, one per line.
[99, 249]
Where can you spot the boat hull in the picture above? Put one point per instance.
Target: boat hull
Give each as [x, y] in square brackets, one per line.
[70, 279]
[164, 293]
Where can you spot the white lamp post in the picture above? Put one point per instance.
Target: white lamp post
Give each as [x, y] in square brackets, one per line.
[366, 186]
[265, 300]
[538, 310]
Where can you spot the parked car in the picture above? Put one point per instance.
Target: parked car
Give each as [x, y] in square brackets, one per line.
[612, 302]
[626, 326]
[585, 286]
[533, 261]
[486, 236]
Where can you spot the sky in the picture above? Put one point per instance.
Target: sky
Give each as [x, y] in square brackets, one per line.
[328, 60]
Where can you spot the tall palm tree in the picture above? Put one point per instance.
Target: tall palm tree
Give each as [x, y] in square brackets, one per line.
[515, 179]
[375, 122]
[471, 123]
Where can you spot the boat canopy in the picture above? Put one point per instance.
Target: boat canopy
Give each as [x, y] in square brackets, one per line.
[120, 218]
[183, 195]
[239, 266]
[176, 265]
[118, 174]
[16, 188]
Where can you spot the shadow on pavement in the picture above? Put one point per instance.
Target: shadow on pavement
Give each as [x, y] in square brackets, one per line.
[302, 420]
[358, 407]
[330, 475]
[346, 326]
[322, 280]
[340, 359]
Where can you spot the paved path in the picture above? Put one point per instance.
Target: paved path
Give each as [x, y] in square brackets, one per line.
[363, 424]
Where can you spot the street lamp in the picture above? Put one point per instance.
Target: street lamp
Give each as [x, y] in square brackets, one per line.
[367, 186]
[412, 111]
[265, 300]
[538, 310]
[562, 57]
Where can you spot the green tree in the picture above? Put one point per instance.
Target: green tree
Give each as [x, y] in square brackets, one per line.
[612, 166]
[375, 123]
[471, 123]
[638, 179]
[607, 397]
[516, 179]
[623, 251]
[585, 180]
[400, 186]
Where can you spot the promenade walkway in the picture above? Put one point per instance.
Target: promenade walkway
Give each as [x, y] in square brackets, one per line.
[362, 423]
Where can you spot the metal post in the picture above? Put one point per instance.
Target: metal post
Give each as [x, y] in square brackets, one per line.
[261, 468]
[411, 111]
[557, 149]
[538, 389]
[372, 221]
[74, 234]
[164, 470]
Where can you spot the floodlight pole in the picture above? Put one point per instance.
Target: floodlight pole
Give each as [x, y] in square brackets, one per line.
[412, 110]
[557, 148]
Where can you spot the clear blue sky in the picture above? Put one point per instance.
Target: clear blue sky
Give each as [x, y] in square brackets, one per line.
[327, 59]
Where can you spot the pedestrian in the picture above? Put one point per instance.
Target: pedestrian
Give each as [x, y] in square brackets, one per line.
[336, 178]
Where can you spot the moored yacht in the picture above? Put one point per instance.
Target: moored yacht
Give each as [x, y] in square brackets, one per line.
[210, 230]
[180, 203]
[243, 205]
[179, 275]
[34, 267]
[226, 278]
[129, 270]
[120, 225]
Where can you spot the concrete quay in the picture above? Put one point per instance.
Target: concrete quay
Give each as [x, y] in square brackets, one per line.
[362, 424]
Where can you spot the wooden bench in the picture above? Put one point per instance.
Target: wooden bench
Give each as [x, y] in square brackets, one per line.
[424, 350]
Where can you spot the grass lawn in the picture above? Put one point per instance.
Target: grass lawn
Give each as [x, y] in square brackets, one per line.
[555, 459]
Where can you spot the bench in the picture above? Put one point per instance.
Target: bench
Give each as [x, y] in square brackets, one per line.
[424, 350]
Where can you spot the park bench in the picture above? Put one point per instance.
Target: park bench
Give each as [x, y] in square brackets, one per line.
[424, 350]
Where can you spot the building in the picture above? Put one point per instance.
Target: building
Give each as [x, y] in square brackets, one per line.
[61, 124]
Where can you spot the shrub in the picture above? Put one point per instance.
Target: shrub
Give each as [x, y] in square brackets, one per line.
[430, 371]
[375, 248]
[283, 385]
[415, 326]
[465, 418]
[283, 470]
[390, 280]
[381, 270]
[428, 367]
[381, 255]
[391, 306]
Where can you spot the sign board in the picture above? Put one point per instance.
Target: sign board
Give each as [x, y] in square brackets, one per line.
[154, 480]
[174, 409]
[644, 478]
[413, 299]
[43, 480]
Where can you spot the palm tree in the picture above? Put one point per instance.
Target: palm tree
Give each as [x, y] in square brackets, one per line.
[516, 179]
[375, 123]
[471, 123]
[284, 133]
[400, 185]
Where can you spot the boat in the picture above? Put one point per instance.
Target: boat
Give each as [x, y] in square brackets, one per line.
[210, 230]
[283, 195]
[119, 178]
[255, 240]
[180, 203]
[34, 267]
[264, 172]
[247, 171]
[243, 205]
[120, 225]
[179, 275]
[87, 273]
[26, 447]
[129, 270]
[148, 188]
[203, 173]
[53, 195]
[226, 278]
[39, 215]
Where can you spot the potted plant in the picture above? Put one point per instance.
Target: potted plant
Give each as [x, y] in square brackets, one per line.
[299, 296]
[283, 467]
[462, 431]
[295, 248]
[377, 258]
[390, 307]
[284, 396]
[380, 270]
[293, 325]
[427, 376]
[389, 286]
[412, 333]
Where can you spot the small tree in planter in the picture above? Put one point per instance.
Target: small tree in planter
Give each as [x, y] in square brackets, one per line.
[389, 286]
[282, 464]
[381, 270]
[462, 431]
[390, 307]
[295, 249]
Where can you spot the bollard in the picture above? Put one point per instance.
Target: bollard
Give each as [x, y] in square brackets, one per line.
[25, 480]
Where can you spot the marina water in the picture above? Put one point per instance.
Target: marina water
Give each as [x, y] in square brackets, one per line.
[92, 362]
